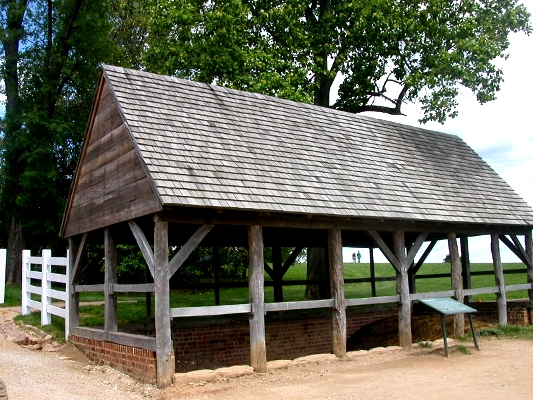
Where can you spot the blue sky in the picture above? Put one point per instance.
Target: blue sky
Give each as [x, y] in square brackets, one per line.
[501, 132]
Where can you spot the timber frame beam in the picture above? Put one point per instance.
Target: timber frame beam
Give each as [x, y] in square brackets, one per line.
[402, 262]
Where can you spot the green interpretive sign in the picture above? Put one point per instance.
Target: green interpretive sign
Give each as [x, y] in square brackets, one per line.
[447, 306]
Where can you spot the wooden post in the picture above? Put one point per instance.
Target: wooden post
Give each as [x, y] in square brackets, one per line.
[257, 299]
[216, 268]
[337, 291]
[465, 263]
[148, 296]
[277, 267]
[163, 337]
[402, 283]
[501, 296]
[457, 283]
[75, 250]
[529, 251]
[110, 324]
[372, 272]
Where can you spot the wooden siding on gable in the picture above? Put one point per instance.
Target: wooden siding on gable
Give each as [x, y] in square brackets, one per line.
[111, 185]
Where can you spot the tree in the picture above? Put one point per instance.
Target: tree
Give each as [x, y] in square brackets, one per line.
[51, 53]
[387, 52]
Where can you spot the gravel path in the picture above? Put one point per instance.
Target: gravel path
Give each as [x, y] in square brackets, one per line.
[35, 368]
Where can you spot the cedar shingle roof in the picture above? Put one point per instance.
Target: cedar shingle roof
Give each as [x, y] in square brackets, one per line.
[209, 146]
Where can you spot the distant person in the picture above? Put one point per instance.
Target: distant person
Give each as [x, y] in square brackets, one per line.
[3, 390]
[358, 256]
[353, 256]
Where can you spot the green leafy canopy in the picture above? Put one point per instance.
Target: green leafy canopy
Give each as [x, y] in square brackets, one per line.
[386, 52]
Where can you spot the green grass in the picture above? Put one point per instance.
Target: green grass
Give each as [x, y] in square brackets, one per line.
[12, 296]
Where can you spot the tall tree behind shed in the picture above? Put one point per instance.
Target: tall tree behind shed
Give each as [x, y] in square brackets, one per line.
[52, 50]
[387, 52]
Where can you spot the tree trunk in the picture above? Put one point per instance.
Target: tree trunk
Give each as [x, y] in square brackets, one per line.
[14, 253]
[317, 270]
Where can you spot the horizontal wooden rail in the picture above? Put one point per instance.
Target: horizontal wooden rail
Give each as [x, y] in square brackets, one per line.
[431, 295]
[487, 290]
[523, 286]
[299, 305]
[133, 288]
[209, 311]
[88, 288]
[126, 339]
[367, 301]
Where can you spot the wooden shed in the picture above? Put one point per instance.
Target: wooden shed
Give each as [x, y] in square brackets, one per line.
[173, 162]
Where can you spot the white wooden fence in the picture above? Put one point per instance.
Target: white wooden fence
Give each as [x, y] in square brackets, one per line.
[2, 275]
[44, 274]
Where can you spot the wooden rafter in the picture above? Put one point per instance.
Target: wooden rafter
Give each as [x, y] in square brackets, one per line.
[387, 252]
[79, 256]
[143, 244]
[188, 248]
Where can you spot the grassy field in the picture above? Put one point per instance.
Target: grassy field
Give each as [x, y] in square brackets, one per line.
[132, 308]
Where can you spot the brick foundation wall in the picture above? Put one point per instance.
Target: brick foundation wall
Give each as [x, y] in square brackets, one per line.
[518, 312]
[139, 363]
[289, 335]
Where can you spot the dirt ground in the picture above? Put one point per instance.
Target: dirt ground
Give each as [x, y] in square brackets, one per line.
[35, 368]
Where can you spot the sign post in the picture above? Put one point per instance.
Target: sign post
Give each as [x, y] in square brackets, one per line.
[447, 306]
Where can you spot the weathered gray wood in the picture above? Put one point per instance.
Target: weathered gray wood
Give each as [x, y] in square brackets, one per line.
[421, 237]
[110, 323]
[457, 283]
[385, 250]
[431, 295]
[78, 255]
[487, 290]
[501, 296]
[522, 286]
[163, 338]
[126, 339]
[521, 250]
[309, 222]
[516, 247]
[77, 250]
[143, 244]
[133, 288]
[529, 252]
[402, 283]
[88, 288]
[210, 311]
[299, 305]
[111, 184]
[188, 248]
[337, 292]
[367, 301]
[465, 263]
[256, 283]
